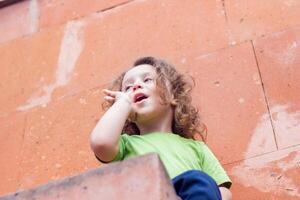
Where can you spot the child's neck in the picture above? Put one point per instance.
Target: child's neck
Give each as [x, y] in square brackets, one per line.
[162, 123]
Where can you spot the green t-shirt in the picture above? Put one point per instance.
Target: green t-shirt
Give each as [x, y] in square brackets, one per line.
[178, 154]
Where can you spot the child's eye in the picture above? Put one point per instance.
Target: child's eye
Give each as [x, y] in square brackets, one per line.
[148, 79]
[127, 87]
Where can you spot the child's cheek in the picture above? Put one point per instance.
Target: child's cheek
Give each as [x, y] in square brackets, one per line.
[131, 97]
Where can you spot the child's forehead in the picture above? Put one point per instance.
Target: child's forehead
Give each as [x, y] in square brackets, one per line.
[139, 71]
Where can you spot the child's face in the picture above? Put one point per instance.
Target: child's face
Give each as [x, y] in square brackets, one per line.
[140, 85]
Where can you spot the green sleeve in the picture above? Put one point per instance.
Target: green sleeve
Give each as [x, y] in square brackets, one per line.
[122, 148]
[212, 166]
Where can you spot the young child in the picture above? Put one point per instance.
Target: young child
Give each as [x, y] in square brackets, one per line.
[149, 110]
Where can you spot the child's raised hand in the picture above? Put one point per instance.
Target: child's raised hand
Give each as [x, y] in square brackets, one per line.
[113, 96]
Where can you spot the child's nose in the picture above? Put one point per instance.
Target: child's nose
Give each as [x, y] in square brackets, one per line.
[136, 86]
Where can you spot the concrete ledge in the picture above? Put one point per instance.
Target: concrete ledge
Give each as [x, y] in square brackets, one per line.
[133, 179]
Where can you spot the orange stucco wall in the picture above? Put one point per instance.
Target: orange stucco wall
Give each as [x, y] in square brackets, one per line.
[56, 56]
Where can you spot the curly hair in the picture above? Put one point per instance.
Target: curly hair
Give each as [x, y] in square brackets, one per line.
[186, 120]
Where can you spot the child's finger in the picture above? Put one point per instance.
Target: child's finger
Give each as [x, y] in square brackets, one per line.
[109, 98]
[109, 92]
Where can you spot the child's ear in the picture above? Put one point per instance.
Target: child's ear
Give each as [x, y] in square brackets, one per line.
[173, 100]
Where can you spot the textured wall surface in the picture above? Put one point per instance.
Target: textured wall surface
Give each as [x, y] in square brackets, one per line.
[57, 55]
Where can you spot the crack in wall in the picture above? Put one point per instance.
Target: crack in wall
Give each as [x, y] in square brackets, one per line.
[224, 10]
[264, 92]
[116, 6]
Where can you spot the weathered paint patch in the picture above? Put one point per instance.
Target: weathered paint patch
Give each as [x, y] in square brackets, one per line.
[70, 50]
[290, 3]
[287, 123]
[268, 173]
[259, 172]
[34, 15]
[260, 140]
[288, 54]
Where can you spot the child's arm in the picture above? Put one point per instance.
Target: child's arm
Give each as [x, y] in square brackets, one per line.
[104, 138]
[225, 193]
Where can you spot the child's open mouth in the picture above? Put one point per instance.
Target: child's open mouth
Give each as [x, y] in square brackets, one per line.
[140, 98]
